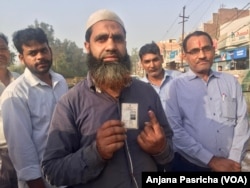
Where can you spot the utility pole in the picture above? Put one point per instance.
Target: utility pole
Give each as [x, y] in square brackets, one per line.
[184, 19]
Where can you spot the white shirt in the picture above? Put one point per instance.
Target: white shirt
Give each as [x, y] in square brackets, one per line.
[13, 76]
[27, 106]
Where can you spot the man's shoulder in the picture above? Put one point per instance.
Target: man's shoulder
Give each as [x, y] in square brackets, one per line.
[141, 81]
[17, 86]
[144, 79]
[140, 84]
[14, 74]
[173, 73]
[17, 82]
[227, 76]
[57, 75]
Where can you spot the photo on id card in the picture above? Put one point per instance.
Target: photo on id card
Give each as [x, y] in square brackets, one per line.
[130, 115]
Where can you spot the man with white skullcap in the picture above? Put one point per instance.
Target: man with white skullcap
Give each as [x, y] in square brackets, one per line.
[103, 14]
[109, 128]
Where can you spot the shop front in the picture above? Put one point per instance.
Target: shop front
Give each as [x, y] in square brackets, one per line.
[233, 45]
[234, 59]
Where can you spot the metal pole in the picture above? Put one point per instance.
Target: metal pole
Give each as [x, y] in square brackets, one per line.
[182, 38]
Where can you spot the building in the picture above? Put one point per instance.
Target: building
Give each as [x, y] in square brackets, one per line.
[229, 29]
[171, 52]
[233, 45]
[222, 17]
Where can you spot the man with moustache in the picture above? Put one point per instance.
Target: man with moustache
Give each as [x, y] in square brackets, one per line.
[109, 128]
[27, 106]
[207, 112]
[159, 78]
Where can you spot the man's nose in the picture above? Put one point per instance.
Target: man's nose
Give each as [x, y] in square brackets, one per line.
[40, 55]
[111, 45]
[201, 54]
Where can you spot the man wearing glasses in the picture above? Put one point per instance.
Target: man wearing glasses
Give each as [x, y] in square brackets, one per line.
[207, 112]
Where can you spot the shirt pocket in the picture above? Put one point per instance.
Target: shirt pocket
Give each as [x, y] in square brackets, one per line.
[229, 108]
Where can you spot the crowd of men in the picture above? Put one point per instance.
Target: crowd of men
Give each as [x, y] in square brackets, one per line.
[110, 127]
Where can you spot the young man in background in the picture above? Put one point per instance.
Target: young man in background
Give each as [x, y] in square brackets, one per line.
[8, 178]
[27, 106]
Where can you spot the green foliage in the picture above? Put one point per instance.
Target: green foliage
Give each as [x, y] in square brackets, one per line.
[134, 60]
[12, 58]
[17, 68]
[68, 59]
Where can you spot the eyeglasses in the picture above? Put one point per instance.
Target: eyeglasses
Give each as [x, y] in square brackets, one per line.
[196, 51]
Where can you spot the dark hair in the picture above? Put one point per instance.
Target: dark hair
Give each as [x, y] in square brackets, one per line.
[89, 32]
[5, 39]
[23, 37]
[195, 33]
[151, 48]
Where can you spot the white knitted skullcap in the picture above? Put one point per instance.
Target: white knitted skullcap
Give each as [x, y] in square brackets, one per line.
[103, 14]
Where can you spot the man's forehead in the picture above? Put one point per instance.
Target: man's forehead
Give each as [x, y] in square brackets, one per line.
[149, 55]
[34, 45]
[107, 28]
[197, 41]
[107, 24]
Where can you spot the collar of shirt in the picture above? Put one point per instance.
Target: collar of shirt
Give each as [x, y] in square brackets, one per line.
[34, 80]
[192, 75]
[166, 75]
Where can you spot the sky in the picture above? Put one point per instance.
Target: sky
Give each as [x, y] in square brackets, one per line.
[145, 20]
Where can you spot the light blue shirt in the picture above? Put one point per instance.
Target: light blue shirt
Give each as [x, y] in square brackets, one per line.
[163, 88]
[208, 118]
[27, 106]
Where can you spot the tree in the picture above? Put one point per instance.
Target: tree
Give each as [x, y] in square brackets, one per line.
[48, 29]
[12, 58]
[134, 61]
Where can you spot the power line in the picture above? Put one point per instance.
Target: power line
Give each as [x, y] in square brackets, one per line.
[184, 19]
[231, 19]
[204, 13]
[236, 16]
[170, 27]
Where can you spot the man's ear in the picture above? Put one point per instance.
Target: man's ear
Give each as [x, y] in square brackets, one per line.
[86, 45]
[162, 59]
[183, 55]
[20, 56]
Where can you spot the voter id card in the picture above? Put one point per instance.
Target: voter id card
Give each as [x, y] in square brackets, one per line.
[130, 115]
